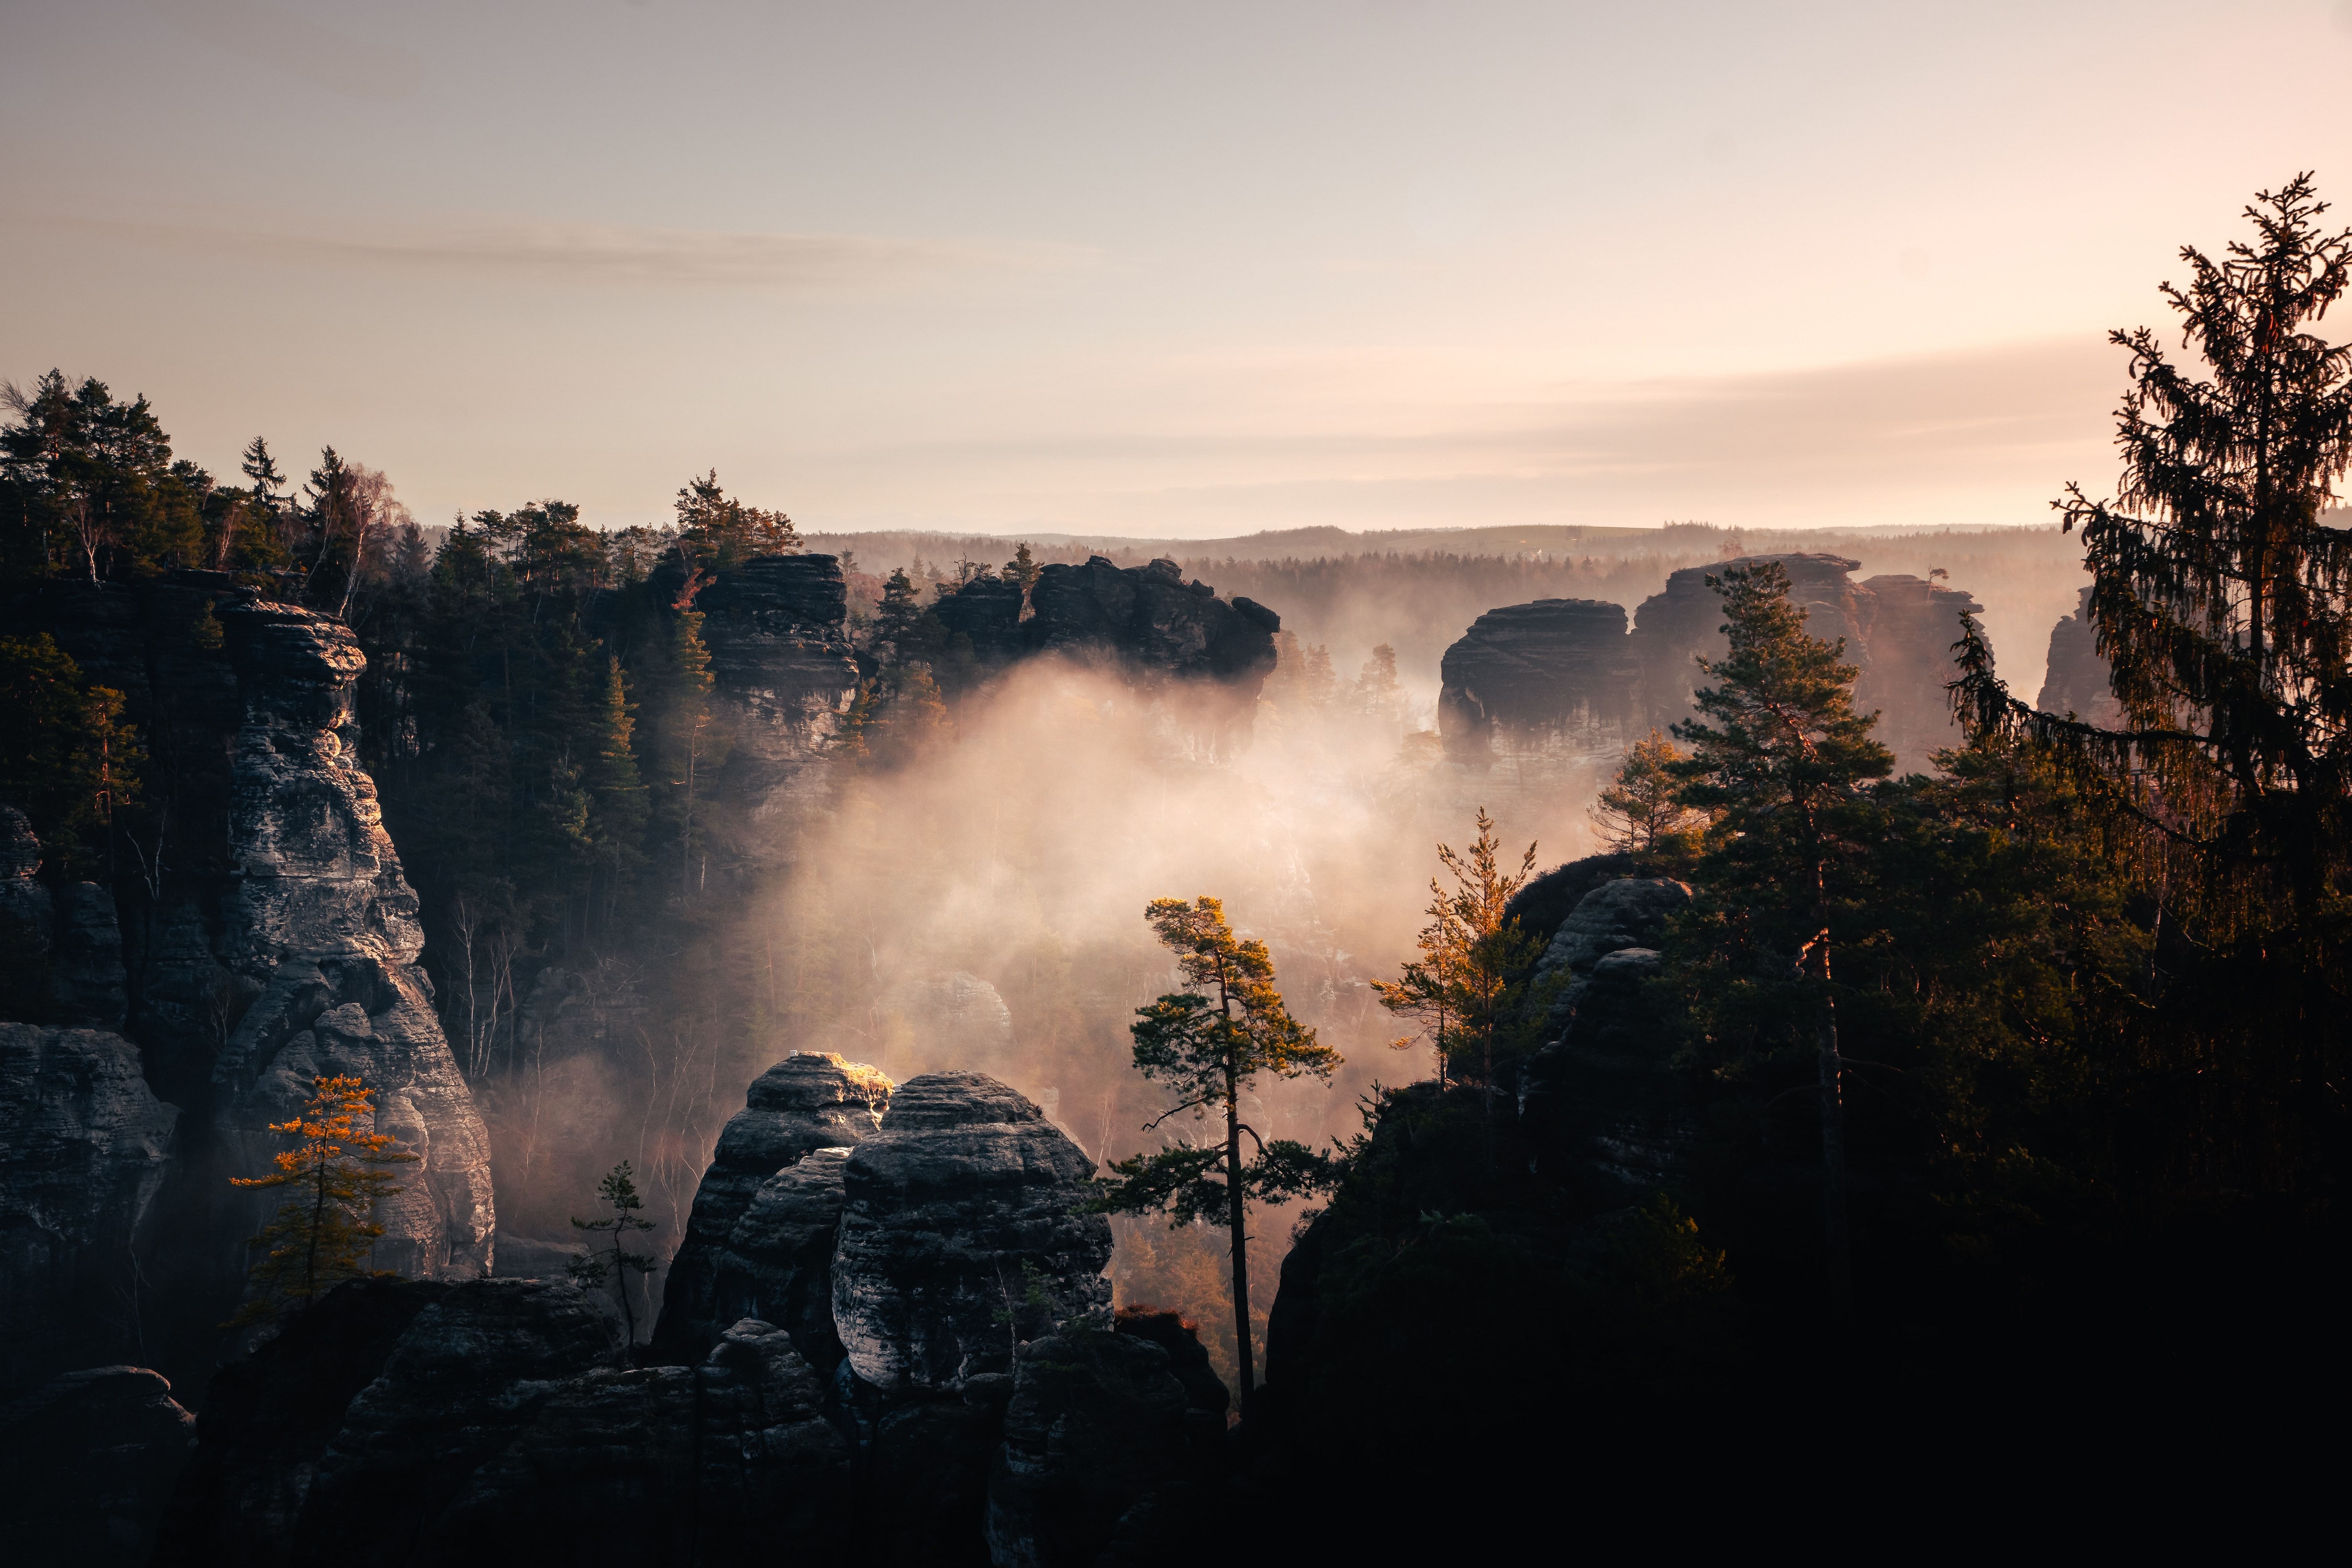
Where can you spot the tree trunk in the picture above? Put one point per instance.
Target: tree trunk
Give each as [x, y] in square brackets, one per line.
[1236, 1218]
[1837, 1256]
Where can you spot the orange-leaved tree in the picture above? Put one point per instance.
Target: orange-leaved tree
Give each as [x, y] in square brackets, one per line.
[326, 1228]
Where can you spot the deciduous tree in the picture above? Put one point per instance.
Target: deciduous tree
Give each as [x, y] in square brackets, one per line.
[334, 1177]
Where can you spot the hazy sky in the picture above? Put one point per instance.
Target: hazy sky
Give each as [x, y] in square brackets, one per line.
[1193, 269]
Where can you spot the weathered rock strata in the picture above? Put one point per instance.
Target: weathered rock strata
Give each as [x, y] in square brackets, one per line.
[2077, 680]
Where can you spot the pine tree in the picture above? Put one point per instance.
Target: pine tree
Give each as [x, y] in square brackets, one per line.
[323, 1234]
[1377, 692]
[1642, 814]
[1780, 753]
[1024, 568]
[614, 1264]
[616, 792]
[1209, 1046]
[693, 742]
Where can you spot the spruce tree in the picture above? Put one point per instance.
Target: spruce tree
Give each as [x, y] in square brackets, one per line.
[1209, 1046]
[1779, 752]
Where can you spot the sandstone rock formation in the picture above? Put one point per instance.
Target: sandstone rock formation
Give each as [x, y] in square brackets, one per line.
[808, 1102]
[965, 1186]
[1527, 669]
[1536, 667]
[2077, 678]
[84, 1147]
[777, 1265]
[267, 933]
[91, 1458]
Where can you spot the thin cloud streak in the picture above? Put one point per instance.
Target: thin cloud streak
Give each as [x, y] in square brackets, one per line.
[606, 254]
[1983, 434]
[287, 41]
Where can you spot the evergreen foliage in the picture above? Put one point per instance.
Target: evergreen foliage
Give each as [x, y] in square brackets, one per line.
[69, 759]
[1642, 814]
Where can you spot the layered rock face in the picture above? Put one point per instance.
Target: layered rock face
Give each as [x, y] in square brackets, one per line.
[275, 937]
[953, 1212]
[1907, 642]
[809, 1102]
[2077, 680]
[1615, 917]
[1603, 1095]
[84, 1147]
[1536, 667]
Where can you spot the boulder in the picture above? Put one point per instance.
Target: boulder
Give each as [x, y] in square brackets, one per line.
[810, 1100]
[91, 1458]
[960, 1214]
[84, 1147]
[1626, 913]
[777, 1261]
[1099, 1423]
[1533, 668]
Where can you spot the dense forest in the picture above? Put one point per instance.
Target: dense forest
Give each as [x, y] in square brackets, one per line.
[2022, 1075]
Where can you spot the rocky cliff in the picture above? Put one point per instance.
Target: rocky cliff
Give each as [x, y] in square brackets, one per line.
[2076, 681]
[782, 673]
[265, 933]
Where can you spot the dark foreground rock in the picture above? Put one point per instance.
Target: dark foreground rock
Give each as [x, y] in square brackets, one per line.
[1631, 912]
[1103, 1440]
[90, 1458]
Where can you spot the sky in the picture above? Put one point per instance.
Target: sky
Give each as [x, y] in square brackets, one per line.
[1112, 269]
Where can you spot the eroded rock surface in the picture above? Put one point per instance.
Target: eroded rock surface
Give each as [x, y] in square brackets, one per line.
[1631, 912]
[778, 1262]
[960, 1202]
[808, 1102]
[84, 1147]
[1150, 616]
